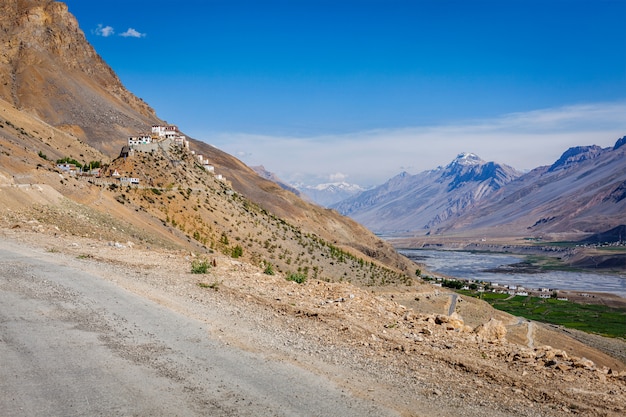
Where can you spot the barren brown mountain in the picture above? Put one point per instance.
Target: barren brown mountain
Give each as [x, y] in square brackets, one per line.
[363, 320]
[51, 72]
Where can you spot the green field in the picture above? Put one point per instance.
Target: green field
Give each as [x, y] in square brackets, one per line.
[591, 318]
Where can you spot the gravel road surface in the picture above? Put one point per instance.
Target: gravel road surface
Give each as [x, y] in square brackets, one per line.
[75, 344]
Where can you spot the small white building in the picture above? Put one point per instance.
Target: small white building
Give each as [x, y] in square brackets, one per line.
[170, 134]
[139, 140]
[71, 168]
[129, 181]
[165, 131]
[181, 141]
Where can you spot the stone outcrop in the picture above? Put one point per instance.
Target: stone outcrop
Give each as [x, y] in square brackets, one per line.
[492, 331]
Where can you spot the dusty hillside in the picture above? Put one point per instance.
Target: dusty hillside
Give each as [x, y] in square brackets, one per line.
[51, 71]
[180, 203]
[186, 198]
[419, 361]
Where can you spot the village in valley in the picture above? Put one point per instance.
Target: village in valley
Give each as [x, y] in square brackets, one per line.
[161, 137]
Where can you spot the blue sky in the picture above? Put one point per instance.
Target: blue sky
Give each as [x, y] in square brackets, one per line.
[321, 90]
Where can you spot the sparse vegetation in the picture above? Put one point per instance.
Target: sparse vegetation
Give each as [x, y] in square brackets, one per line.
[214, 286]
[236, 252]
[68, 160]
[269, 269]
[200, 266]
[296, 277]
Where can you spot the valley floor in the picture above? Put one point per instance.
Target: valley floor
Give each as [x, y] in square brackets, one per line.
[551, 254]
[99, 322]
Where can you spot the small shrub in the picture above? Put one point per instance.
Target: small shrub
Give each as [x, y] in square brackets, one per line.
[296, 277]
[269, 269]
[200, 266]
[68, 160]
[236, 252]
[214, 286]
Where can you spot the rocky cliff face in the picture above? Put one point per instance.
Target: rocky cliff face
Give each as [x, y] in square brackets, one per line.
[48, 68]
[575, 155]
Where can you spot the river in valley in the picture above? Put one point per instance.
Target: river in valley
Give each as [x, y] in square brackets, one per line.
[468, 265]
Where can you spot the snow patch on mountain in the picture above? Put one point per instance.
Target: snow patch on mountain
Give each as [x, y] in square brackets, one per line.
[330, 193]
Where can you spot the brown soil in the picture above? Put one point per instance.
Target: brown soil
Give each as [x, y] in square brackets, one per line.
[396, 345]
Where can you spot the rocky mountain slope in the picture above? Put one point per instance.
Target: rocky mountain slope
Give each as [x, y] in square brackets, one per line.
[48, 69]
[361, 306]
[424, 201]
[53, 74]
[583, 192]
[264, 173]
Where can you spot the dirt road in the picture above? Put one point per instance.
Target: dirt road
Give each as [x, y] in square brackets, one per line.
[74, 344]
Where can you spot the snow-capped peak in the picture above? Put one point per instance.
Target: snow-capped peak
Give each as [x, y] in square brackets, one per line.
[467, 158]
[337, 186]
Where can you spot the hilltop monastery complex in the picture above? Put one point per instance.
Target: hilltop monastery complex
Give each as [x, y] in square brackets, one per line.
[161, 137]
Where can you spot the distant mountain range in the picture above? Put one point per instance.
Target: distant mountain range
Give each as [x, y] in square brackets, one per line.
[424, 201]
[583, 192]
[330, 193]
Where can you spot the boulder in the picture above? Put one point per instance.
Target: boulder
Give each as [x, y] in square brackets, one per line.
[451, 322]
[492, 331]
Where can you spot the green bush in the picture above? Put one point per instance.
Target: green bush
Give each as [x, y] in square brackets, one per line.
[296, 277]
[236, 252]
[68, 160]
[200, 266]
[269, 269]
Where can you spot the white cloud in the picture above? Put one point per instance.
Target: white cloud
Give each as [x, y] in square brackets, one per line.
[104, 31]
[338, 177]
[132, 33]
[522, 140]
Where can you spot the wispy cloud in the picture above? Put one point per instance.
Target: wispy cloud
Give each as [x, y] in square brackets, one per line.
[522, 140]
[104, 31]
[132, 33]
[337, 177]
